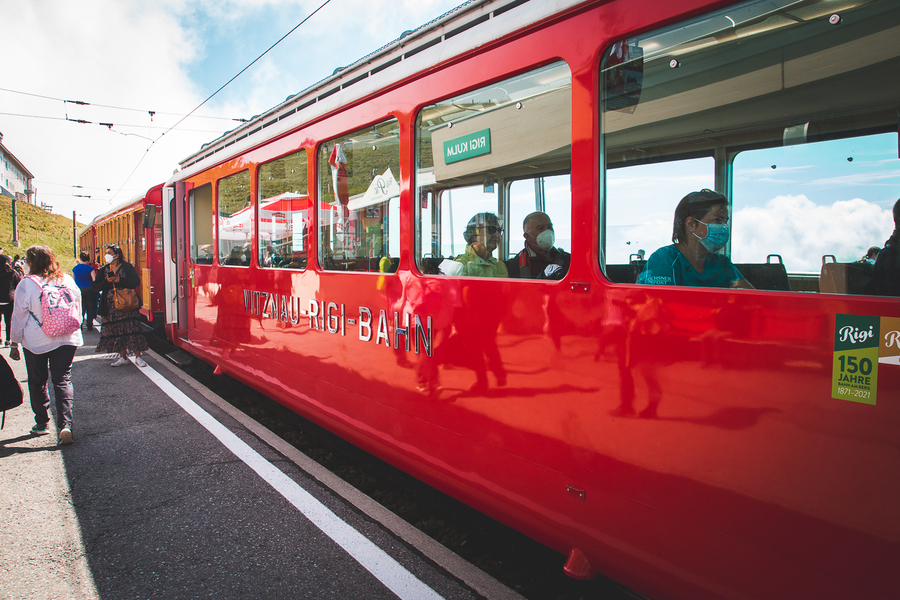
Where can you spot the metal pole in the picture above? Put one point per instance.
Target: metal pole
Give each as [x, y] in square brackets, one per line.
[15, 224]
[74, 237]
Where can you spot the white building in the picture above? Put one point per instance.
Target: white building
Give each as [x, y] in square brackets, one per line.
[15, 179]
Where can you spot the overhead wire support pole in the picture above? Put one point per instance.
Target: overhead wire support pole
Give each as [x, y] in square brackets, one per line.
[15, 224]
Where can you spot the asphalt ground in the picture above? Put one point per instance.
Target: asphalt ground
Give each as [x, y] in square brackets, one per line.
[175, 494]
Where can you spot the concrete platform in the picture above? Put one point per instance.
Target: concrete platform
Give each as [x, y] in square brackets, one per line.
[169, 492]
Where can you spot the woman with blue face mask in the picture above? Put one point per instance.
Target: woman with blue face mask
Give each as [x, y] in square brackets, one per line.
[699, 232]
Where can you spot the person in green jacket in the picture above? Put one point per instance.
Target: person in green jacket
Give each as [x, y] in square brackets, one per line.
[482, 237]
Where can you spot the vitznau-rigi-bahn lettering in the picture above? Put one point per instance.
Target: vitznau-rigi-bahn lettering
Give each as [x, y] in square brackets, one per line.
[320, 315]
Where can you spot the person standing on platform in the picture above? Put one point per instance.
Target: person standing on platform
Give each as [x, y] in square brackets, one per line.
[46, 358]
[121, 331]
[84, 275]
[9, 279]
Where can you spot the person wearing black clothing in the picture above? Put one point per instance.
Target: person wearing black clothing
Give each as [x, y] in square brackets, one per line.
[121, 331]
[886, 272]
[538, 254]
[9, 279]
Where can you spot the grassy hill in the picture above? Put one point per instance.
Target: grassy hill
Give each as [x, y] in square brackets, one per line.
[37, 226]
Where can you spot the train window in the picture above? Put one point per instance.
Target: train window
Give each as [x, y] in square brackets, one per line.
[359, 200]
[782, 108]
[486, 159]
[201, 225]
[284, 212]
[235, 219]
[550, 195]
[652, 187]
[820, 206]
[158, 231]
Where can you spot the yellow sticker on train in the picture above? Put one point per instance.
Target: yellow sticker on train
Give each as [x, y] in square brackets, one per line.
[855, 367]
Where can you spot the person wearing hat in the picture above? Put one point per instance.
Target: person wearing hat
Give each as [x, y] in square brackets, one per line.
[700, 230]
[482, 237]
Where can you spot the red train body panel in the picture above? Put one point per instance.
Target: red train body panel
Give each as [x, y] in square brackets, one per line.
[685, 440]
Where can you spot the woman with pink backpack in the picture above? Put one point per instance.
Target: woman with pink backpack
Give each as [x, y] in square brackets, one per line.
[47, 323]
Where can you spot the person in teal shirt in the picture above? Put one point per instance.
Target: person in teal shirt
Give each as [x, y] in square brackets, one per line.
[700, 230]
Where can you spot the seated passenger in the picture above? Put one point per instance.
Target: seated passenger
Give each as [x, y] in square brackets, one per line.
[533, 260]
[482, 237]
[700, 230]
[234, 257]
[870, 255]
[887, 265]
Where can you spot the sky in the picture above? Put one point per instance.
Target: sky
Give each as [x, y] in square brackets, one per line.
[801, 202]
[165, 56]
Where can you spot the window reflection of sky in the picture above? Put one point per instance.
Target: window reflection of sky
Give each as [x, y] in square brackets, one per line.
[814, 202]
[641, 200]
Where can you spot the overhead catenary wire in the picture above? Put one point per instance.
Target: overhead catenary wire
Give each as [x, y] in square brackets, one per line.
[321, 6]
[85, 122]
[140, 110]
[297, 26]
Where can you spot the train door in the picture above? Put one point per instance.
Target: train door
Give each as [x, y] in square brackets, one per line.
[179, 216]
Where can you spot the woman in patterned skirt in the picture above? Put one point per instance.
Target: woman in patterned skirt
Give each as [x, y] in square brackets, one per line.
[121, 331]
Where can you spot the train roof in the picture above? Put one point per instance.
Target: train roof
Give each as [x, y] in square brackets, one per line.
[414, 51]
[119, 208]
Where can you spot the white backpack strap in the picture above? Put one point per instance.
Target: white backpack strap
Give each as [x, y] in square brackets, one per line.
[37, 281]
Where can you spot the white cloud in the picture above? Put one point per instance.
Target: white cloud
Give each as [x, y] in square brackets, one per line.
[802, 232]
[140, 54]
[111, 53]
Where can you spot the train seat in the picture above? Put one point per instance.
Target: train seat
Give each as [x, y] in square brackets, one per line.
[768, 275]
[845, 278]
[627, 273]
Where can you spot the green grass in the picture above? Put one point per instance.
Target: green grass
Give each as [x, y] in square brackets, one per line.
[37, 226]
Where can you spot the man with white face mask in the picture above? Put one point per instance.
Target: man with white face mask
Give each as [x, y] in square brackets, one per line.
[539, 259]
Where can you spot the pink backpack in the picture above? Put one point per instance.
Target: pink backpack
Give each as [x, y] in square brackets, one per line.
[60, 309]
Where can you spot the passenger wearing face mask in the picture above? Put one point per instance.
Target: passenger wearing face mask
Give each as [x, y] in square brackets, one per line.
[121, 330]
[700, 230]
[539, 259]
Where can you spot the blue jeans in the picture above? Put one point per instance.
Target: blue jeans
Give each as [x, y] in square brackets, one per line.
[56, 366]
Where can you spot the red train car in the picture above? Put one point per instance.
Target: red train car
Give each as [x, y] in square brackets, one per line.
[367, 253]
[135, 226]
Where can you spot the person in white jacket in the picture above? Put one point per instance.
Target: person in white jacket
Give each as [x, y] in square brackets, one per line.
[46, 357]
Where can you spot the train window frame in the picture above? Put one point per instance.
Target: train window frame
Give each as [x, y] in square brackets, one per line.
[195, 255]
[299, 258]
[343, 241]
[754, 75]
[230, 258]
[435, 256]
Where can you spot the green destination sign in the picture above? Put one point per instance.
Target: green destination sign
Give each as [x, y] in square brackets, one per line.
[467, 146]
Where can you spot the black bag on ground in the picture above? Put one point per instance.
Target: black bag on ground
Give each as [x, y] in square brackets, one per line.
[10, 391]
